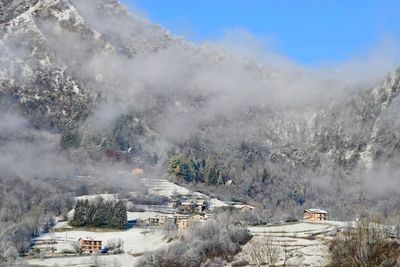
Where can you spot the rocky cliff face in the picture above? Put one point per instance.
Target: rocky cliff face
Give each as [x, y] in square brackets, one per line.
[107, 79]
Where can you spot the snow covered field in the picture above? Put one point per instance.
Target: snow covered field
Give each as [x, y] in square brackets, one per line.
[307, 243]
[123, 260]
[166, 188]
[107, 197]
[300, 230]
[136, 241]
[163, 187]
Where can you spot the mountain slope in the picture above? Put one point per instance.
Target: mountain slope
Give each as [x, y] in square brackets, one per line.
[113, 85]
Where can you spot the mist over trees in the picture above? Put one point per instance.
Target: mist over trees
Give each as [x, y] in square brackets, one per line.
[126, 93]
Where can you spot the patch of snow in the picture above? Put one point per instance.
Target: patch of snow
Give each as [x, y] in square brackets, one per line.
[366, 156]
[122, 260]
[62, 225]
[142, 215]
[107, 197]
[75, 88]
[136, 240]
[349, 154]
[298, 229]
[164, 187]
[307, 241]
[216, 203]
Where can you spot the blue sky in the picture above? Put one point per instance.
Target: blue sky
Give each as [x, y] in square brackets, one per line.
[307, 31]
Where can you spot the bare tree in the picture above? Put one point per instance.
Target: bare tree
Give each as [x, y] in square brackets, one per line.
[115, 243]
[76, 247]
[364, 246]
[170, 229]
[288, 252]
[263, 251]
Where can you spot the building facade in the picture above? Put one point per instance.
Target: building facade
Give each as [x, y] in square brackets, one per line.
[315, 215]
[89, 245]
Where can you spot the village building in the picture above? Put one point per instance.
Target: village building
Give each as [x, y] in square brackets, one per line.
[192, 207]
[199, 207]
[178, 217]
[89, 245]
[181, 221]
[315, 215]
[185, 207]
[137, 171]
[198, 218]
[238, 206]
[243, 207]
[183, 224]
[154, 221]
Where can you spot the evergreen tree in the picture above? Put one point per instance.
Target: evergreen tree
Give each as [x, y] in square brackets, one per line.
[211, 175]
[77, 217]
[80, 214]
[100, 215]
[120, 216]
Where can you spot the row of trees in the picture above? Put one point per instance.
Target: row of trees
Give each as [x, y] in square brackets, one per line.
[100, 213]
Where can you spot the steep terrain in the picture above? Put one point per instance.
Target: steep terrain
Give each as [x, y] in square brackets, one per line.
[112, 85]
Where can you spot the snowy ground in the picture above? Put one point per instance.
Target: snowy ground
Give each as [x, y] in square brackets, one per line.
[163, 187]
[306, 242]
[136, 241]
[107, 197]
[166, 188]
[123, 260]
[62, 225]
[143, 215]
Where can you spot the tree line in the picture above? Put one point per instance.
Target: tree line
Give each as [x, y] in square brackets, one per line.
[100, 213]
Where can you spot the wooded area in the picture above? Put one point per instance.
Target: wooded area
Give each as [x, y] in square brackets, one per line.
[100, 213]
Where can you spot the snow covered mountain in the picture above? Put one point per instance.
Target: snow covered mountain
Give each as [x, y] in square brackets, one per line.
[111, 83]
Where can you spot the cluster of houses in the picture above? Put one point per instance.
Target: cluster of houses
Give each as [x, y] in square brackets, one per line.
[182, 221]
[190, 213]
[190, 207]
